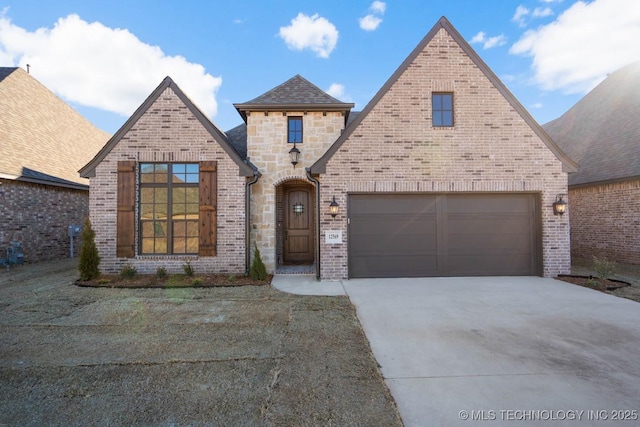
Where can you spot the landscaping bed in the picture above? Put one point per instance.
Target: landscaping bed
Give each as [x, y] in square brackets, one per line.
[173, 281]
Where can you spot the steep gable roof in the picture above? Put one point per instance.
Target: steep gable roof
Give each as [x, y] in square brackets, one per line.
[42, 139]
[297, 93]
[245, 169]
[319, 167]
[602, 130]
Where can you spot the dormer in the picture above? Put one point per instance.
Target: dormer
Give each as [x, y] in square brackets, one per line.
[295, 113]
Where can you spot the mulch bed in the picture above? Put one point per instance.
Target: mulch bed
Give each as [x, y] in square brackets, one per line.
[173, 281]
[593, 282]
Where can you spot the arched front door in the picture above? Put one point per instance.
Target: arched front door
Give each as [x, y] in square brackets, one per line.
[298, 224]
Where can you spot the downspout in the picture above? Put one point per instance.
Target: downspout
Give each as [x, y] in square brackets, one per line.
[247, 220]
[316, 183]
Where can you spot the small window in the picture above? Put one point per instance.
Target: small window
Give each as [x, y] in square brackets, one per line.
[442, 109]
[295, 130]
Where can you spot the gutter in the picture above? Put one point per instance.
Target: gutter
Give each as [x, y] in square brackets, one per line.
[316, 184]
[247, 220]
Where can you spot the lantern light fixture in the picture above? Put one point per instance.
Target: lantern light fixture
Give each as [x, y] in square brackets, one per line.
[334, 207]
[559, 206]
[294, 155]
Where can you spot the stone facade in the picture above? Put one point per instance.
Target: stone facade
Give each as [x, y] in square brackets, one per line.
[605, 221]
[38, 216]
[268, 149]
[490, 148]
[169, 132]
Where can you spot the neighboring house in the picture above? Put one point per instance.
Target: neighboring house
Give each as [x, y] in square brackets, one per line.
[43, 144]
[443, 173]
[602, 134]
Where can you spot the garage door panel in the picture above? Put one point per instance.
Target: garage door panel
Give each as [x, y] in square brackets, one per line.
[395, 266]
[407, 235]
[504, 264]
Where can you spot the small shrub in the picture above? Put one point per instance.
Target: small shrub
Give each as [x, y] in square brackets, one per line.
[161, 273]
[89, 258]
[603, 267]
[197, 281]
[128, 271]
[188, 269]
[592, 283]
[231, 278]
[258, 271]
[103, 281]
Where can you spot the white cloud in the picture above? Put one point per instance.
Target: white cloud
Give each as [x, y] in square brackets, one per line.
[369, 22]
[540, 12]
[518, 16]
[537, 106]
[310, 32]
[378, 7]
[585, 43]
[336, 90]
[489, 42]
[97, 66]
[373, 20]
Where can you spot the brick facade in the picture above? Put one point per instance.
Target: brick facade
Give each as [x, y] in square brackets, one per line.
[38, 216]
[605, 221]
[169, 132]
[490, 148]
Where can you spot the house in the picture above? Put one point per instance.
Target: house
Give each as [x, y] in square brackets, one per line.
[602, 133]
[443, 173]
[43, 143]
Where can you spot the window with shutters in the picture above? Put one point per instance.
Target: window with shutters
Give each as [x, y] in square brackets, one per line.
[169, 208]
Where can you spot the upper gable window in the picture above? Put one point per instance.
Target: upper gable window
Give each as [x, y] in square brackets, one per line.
[294, 130]
[442, 108]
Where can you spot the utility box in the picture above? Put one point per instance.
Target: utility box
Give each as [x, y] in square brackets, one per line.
[74, 230]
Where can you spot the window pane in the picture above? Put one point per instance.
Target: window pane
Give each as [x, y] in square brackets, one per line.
[161, 211]
[179, 228]
[446, 102]
[146, 211]
[447, 118]
[192, 228]
[146, 195]
[146, 172]
[161, 171]
[148, 246]
[160, 195]
[437, 118]
[147, 229]
[193, 195]
[179, 245]
[193, 168]
[192, 245]
[179, 168]
[161, 246]
[160, 228]
[179, 195]
[437, 102]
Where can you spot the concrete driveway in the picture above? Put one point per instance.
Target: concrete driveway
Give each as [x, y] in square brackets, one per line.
[499, 350]
[503, 351]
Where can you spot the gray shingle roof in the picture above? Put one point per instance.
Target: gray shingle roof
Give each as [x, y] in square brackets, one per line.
[296, 93]
[602, 131]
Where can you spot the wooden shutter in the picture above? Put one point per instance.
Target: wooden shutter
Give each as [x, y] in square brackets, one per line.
[208, 208]
[125, 234]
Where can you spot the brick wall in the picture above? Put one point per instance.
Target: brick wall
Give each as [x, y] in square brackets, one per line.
[168, 132]
[38, 216]
[490, 149]
[605, 221]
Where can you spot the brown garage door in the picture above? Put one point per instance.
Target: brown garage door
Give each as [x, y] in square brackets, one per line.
[403, 235]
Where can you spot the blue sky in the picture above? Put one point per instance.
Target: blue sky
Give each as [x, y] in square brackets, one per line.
[105, 57]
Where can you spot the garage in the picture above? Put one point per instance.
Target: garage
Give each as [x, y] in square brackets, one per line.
[428, 235]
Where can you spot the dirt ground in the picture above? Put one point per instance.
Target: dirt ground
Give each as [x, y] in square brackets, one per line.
[229, 356]
[627, 273]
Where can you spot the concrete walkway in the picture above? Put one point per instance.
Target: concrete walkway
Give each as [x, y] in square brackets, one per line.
[494, 351]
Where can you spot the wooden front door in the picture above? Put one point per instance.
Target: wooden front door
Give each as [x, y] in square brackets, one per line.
[298, 230]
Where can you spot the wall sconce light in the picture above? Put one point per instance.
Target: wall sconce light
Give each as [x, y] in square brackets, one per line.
[333, 207]
[298, 208]
[294, 155]
[559, 206]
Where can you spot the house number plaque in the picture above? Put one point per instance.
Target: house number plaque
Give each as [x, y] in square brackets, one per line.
[333, 236]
